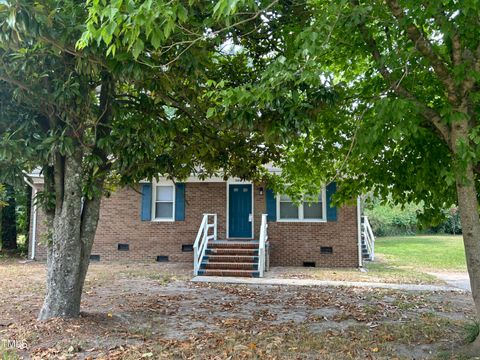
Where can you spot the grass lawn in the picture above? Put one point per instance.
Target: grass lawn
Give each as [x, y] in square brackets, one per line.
[401, 259]
[425, 252]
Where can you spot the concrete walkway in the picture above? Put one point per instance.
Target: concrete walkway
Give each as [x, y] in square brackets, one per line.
[459, 280]
[313, 282]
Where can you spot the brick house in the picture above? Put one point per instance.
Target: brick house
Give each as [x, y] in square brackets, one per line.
[248, 227]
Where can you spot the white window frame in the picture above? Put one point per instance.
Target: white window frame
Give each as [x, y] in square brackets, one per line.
[154, 200]
[300, 211]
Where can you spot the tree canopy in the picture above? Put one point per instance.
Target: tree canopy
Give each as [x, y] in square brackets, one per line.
[108, 94]
[376, 95]
[379, 95]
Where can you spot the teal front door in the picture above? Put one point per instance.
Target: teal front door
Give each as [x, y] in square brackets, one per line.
[240, 211]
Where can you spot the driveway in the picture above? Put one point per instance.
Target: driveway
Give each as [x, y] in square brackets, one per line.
[460, 280]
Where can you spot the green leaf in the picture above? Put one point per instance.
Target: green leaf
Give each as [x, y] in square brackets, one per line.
[210, 112]
[12, 18]
[137, 48]
[168, 27]
[182, 13]
[156, 38]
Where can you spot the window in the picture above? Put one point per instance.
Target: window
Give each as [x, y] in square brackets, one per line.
[312, 209]
[164, 204]
[288, 210]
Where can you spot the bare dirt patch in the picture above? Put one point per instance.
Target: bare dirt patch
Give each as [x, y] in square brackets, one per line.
[379, 271]
[134, 311]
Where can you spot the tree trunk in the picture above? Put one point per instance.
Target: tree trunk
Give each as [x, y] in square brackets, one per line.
[468, 205]
[9, 221]
[73, 229]
[469, 215]
[74, 221]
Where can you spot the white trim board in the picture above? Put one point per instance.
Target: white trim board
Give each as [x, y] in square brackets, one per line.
[359, 232]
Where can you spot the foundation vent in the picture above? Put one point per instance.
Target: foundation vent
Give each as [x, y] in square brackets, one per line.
[326, 250]
[187, 247]
[123, 247]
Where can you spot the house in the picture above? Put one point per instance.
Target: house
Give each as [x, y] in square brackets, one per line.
[229, 227]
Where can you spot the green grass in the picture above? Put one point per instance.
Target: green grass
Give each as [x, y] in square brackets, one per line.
[425, 252]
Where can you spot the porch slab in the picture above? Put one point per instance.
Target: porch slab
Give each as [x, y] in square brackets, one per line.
[322, 283]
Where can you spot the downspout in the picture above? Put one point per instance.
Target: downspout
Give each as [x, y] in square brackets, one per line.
[359, 232]
[33, 241]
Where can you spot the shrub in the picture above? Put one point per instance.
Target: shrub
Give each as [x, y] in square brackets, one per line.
[393, 220]
[452, 224]
[471, 331]
[3, 196]
[389, 220]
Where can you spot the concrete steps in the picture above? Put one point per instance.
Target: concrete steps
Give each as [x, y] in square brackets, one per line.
[238, 258]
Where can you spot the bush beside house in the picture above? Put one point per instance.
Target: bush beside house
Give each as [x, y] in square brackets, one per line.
[389, 220]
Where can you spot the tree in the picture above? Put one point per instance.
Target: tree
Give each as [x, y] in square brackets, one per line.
[98, 116]
[404, 122]
[3, 202]
[3, 196]
[8, 226]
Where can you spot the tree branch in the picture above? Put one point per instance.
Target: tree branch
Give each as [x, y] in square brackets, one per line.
[60, 47]
[424, 47]
[428, 114]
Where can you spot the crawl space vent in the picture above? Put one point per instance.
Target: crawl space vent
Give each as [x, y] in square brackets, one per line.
[187, 248]
[326, 250]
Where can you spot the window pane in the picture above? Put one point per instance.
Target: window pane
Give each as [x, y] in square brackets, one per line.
[288, 210]
[164, 193]
[164, 210]
[285, 198]
[313, 210]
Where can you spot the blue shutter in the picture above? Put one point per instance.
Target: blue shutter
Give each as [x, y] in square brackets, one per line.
[271, 206]
[180, 202]
[331, 211]
[146, 209]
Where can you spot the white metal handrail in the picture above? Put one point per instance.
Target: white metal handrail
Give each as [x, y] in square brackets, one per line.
[262, 243]
[202, 240]
[369, 237]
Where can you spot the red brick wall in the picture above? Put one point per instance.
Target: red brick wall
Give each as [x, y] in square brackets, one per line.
[259, 208]
[120, 223]
[291, 243]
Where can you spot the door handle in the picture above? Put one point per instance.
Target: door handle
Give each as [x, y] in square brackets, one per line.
[249, 217]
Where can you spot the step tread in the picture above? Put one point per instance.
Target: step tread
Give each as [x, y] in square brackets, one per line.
[229, 272]
[228, 263]
[232, 249]
[232, 245]
[233, 261]
[229, 266]
[236, 241]
[217, 256]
